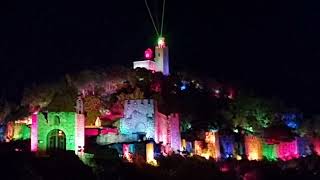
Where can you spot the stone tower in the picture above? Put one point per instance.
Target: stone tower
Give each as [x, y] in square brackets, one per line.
[162, 57]
[79, 105]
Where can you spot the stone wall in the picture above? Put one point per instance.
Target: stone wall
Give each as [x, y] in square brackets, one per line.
[79, 131]
[138, 117]
[161, 134]
[175, 131]
[67, 124]
[116, 138]
[168, 130]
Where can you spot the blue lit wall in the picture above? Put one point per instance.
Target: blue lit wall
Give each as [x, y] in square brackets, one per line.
[227, 146]
[138, 118]
[303, 146]
[2, 132]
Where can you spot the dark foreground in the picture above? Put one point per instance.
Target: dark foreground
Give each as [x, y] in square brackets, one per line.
[66, 165]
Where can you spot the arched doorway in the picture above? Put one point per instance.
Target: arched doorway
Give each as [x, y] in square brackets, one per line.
[56, 140]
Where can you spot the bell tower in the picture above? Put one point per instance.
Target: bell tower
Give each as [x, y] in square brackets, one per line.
[162, 57]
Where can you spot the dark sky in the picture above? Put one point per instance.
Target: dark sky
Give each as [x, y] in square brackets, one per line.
[271, 46]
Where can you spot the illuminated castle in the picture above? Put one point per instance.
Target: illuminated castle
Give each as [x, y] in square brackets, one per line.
[161, 59]
[141, 118]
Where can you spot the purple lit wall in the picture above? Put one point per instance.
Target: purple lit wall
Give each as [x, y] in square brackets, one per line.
[175, 131]
[303, 146]
[227, 144]
[189, 147]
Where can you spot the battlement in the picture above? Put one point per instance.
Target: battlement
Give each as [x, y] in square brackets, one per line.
[143, 106]
[138, 117]
[140, 101]
[173, 115]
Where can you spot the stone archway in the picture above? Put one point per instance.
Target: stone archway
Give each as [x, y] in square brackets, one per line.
[56, 140]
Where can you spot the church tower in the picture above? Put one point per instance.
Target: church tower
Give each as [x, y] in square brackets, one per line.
[162, 57]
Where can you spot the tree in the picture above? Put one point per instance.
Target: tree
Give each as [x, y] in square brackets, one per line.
[102, 81]
[92, 105]
[39, 95]
[252, 113]
[65, 97]
[135, 94]
[5, 111]
[310, 126]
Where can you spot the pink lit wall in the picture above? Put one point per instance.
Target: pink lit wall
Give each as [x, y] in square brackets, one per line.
[109, 131]
[161, 128]
[167, 130]
[34, 133]
[125, 149]
[79, 141]
[126, 152]
[91, 132]
[95, 131]
[288, 150]
[316, 144]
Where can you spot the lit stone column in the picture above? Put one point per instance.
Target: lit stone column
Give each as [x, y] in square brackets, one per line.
[34, 133]
[150, 153]
[174, 126]
[79, 142]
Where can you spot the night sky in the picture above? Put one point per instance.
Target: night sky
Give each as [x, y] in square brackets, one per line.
[270, 46]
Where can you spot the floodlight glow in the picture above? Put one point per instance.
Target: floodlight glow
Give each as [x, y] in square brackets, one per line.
[253, 146]
[148, 53]
[161, 42]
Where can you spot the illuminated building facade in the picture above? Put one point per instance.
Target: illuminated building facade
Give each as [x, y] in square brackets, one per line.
[57, 131]
[167, 130]
[138, 118]
[161, 59]
[141, 119]
[148, 64]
